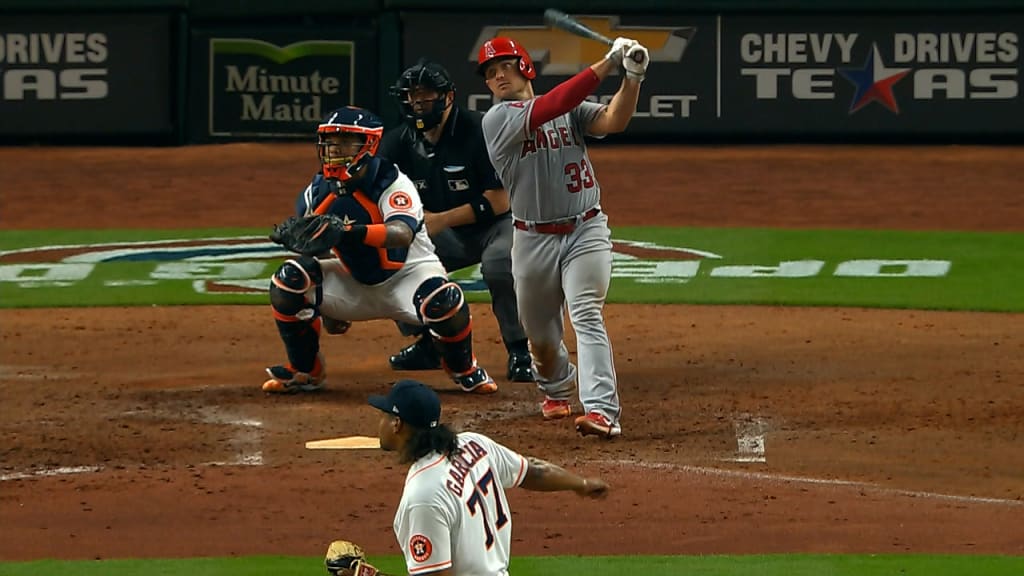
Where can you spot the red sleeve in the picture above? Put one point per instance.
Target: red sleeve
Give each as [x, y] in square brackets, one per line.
[562, 98]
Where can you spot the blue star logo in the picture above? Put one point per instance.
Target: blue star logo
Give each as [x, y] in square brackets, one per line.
[874, 82]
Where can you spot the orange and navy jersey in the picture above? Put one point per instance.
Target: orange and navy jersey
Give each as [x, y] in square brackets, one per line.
[383, 194]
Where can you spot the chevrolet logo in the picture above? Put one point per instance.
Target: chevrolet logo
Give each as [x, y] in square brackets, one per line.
[558, 53]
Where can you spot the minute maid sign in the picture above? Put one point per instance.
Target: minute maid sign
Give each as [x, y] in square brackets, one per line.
[260, 89]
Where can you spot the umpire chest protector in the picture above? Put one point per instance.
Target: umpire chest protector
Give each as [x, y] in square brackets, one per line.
[449, 173]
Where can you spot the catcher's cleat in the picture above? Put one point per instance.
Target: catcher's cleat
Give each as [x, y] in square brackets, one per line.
[595, 424]
[520, 368]
[287, 380]
[476, 381]
[420, 355]
[554, 409]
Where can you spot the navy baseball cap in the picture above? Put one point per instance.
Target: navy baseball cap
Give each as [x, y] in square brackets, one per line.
[414, 402]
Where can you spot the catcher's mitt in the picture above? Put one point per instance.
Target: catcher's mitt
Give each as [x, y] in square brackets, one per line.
[346, 558]
[309, 235]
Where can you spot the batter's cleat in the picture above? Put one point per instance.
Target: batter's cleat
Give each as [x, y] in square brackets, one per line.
[420, 355]
[520, 368]
[554, 409]
[287, 380]
[595, 424]
[476, 381]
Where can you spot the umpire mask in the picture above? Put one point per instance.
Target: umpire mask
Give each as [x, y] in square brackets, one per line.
[422, 94]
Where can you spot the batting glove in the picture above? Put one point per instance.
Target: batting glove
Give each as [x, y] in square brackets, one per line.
[618, 49]
[635, 62]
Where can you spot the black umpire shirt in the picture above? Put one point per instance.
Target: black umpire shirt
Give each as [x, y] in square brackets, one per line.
[450, 173]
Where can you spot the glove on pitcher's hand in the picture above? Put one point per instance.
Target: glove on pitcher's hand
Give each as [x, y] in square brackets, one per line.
[309, 235]
[346, 558]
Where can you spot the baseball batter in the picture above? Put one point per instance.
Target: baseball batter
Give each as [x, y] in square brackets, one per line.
[363, 254]
[454, 517]
[561, 250]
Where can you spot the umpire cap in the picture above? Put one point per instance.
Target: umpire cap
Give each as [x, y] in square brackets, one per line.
[412, 401]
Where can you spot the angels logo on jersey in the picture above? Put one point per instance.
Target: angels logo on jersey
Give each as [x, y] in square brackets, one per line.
[400, 201]
[420, 547]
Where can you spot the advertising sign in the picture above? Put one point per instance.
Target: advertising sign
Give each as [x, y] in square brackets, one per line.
[675, 96]
[908, 74]
[276, 83]
[770, 74]
[85, 74]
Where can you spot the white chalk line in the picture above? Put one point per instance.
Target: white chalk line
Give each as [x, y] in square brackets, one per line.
[783, 478]
[44, 472]
[750, 432]
[246, 441]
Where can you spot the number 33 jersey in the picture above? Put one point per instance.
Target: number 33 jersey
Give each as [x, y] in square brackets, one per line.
[547, 172]
[454, 513]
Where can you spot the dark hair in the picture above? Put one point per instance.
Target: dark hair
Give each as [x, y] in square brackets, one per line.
[440, 439]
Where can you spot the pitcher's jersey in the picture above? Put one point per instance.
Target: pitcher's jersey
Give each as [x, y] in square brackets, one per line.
[547, 172]
[383, 194]
[454, 514]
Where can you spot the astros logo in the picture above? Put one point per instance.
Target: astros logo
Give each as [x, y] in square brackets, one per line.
[400, 201]
[420, 547]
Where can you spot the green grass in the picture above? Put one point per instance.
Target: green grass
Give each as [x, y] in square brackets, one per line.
[985, 270]
[751, 565]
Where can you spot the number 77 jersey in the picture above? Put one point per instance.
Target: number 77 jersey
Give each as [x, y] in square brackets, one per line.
[547, 171]
[454, 513]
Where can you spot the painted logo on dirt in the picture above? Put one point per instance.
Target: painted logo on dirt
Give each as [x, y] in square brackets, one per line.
[244, 264]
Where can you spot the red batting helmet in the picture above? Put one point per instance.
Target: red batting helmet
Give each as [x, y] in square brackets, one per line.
[502, 47]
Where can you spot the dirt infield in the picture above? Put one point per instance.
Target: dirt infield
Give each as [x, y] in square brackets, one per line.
[135, 432]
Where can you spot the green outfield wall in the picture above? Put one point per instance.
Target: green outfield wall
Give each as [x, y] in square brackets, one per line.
[189, 71]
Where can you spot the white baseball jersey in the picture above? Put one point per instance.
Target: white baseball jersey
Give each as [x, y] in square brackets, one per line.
[454, 513]
[547, 172]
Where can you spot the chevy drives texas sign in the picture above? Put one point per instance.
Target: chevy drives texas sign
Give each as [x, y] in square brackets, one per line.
[771, 74]
[863, 74]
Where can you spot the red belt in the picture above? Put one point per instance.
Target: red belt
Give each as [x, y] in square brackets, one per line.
[566, 226]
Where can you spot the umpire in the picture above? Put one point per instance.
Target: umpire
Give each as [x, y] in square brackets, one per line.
[440, 146]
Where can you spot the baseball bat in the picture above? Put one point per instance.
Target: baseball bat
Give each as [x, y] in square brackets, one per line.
[563, 21]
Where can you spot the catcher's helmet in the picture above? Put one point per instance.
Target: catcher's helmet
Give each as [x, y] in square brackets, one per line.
[432, 76]
[502, 47]
[365, 125]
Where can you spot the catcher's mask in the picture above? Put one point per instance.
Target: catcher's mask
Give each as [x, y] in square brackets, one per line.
[422, 94]
[502, 47]
[346, 139]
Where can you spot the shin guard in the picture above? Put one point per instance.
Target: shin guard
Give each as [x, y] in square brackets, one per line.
[297, 317]
[443, 309]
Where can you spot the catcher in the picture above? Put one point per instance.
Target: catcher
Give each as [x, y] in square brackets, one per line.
[454, 517]
[362, 253]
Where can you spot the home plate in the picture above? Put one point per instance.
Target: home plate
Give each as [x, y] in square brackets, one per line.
[346, 443]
